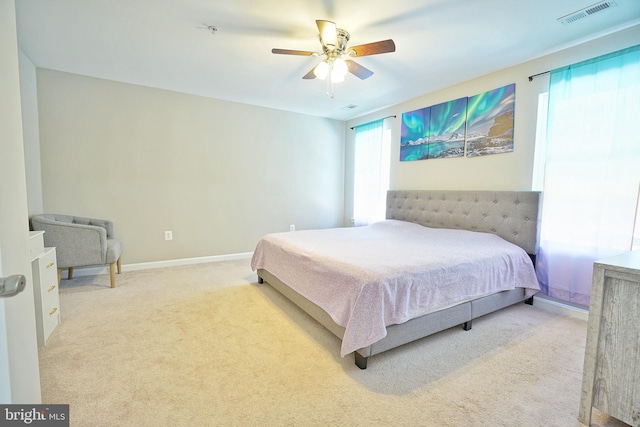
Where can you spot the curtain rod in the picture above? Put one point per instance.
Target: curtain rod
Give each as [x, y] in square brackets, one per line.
[539, 74]
[353, 127]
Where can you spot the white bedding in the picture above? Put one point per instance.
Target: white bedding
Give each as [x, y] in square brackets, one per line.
[367, 278]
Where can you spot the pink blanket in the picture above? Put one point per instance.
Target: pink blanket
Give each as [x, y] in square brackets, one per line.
[367, 278]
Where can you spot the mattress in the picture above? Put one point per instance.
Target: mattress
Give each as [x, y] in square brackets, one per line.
[367, 278]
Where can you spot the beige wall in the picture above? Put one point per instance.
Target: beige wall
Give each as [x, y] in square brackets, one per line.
[509, 171]
[218, 174]
[19, 374]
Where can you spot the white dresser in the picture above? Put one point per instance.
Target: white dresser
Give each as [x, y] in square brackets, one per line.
[611, 376]
[45, 286]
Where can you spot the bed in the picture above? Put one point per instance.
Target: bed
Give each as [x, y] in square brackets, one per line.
[374, 289]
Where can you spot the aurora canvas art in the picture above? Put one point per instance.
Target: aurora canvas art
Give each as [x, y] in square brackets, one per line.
[414, 134]
[447, 129]
[480, 125]
[490, 122]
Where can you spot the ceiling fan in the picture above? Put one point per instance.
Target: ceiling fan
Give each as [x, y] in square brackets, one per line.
[337, 58]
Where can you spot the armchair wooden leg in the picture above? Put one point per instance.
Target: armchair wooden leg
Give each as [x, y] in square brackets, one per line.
[119, 264]
[112, 274]
[70, 275]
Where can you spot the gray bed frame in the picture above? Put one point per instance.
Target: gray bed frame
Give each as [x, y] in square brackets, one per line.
[512, 215]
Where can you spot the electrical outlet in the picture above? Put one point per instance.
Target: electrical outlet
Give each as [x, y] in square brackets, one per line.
[292, 227]
[168, 235]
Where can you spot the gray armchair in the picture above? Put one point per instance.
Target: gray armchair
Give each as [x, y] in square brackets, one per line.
[80, 242]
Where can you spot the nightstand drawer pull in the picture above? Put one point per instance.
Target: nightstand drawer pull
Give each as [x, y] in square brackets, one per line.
[51, 264]
[53, 310]
[52, 287]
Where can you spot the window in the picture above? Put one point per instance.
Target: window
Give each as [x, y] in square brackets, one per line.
[537, 183]
[371, 172]
[591, 174]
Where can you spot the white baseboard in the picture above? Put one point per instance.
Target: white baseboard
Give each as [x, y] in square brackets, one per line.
[558, 307]
[93, 271]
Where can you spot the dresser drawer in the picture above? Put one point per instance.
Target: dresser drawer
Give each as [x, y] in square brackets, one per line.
[47, 299]
[47, 270]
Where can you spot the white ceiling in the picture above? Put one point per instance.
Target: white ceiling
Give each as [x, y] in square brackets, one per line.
[166, 44]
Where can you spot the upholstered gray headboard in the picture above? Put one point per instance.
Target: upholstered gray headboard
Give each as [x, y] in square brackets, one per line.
[512, 215]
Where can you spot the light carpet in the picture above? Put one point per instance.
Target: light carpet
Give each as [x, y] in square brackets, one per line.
[205, 345]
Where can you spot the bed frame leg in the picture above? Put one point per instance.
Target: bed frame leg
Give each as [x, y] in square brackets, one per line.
[260, 280]
[361, 361]
[467, 325]
[529, 300]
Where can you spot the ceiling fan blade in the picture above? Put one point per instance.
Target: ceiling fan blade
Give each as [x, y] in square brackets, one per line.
[358, 70]
[328, 32]
[374, 48]
[292, 52]
[310, 75]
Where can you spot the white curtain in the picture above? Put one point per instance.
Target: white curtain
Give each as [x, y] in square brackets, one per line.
[592, 170]
[371, 173]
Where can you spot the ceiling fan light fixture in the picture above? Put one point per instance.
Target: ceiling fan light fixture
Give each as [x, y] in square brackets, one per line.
[322, 70]
[337, 78]
[339, 70]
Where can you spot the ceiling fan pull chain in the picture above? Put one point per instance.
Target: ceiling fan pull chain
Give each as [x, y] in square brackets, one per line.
[330, 81]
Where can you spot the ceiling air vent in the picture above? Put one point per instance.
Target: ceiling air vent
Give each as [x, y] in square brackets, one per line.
[587, 11]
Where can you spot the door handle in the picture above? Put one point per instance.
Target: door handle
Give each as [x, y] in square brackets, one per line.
[12, 285]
